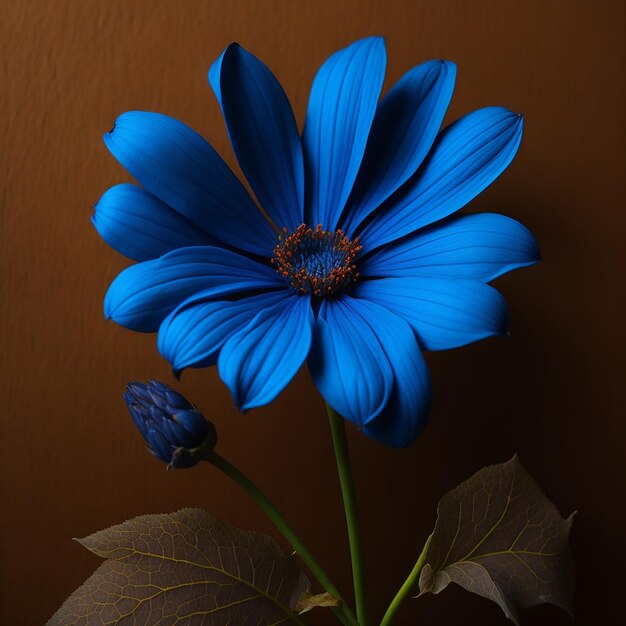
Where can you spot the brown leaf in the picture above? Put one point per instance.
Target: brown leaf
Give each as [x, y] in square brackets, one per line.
[497, 535]
[310, 601]
[185, 567]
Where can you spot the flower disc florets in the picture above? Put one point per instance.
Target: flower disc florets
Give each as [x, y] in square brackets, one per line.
[316, 261]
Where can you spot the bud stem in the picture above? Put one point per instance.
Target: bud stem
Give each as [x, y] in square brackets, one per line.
[343, 612]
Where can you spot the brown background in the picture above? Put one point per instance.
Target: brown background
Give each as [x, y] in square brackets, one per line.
[71, 462]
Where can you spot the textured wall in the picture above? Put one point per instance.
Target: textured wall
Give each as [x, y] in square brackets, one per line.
[71, 462]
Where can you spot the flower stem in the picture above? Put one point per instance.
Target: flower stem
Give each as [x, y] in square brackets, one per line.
[344, 468]
[405, 590]
[343, 611]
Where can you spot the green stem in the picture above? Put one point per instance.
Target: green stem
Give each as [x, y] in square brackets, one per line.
[405, 590]
[343, 612]
[344, 468]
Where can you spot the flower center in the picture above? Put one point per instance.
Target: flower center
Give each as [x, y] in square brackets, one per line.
[316, 261]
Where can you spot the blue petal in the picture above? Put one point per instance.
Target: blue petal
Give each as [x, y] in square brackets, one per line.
[340, 113]
[214, 77]
[180, 168]
[143, 294]
[480, 247]
[141, 227]
[466, 158]
[260, 360]
[193, 333]
[405, 415]
[264, 134]
[444, 313]
[349, 360]
[405, 126]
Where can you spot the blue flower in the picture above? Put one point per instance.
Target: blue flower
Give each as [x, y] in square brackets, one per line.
[174, 430]
[355, 264]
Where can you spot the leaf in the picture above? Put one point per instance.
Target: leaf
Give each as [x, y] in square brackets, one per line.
[185, 568]
[310, 601]
[497, 535]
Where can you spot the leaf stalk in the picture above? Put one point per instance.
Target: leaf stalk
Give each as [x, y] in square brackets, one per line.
[405, 590]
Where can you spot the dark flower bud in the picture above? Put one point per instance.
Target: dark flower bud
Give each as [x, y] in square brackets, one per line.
[174, 430]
